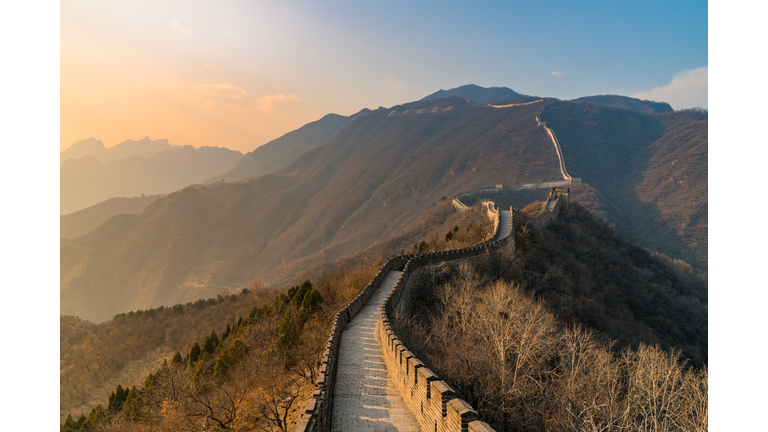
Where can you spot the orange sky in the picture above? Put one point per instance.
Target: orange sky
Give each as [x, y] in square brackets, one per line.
[119, 103]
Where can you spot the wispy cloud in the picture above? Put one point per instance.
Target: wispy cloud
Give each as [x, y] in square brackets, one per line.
[222, 90]
[688, 89]
[284, 106]
[555, 73]
[176, 26]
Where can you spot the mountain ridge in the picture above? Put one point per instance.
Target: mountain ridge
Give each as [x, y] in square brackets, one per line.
[279, 152]
[86, 181]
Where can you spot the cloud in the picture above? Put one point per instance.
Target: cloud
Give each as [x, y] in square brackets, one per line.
[688, 89]
[284, 106]
[222, 90]
[210, 107]
[176, 26]
[555, 73]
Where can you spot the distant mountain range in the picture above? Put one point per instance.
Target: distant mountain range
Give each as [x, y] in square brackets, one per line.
[144, 148]
[87, 181]
[377, 175]
[281, 151]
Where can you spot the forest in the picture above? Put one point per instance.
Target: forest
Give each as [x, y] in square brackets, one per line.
[582, 331]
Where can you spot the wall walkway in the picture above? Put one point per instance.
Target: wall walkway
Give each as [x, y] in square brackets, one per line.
[365, 396]
[354, 391]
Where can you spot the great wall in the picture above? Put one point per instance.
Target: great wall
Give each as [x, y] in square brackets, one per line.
[368, 379]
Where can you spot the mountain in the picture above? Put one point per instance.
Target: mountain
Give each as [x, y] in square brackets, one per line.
[368, 182]
[85, 220]
[144, 148]
[643, 173]
[477, 94]
[281, 151]
[646, 173]
[641, 106]
[86, 181]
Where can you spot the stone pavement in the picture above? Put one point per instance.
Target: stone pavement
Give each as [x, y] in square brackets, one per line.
[505, 224]
[365, 398]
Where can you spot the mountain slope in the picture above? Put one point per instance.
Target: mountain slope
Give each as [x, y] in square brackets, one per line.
[370, 180]
[476, 94]
[144, 148]
[85, 220]
[648, 172]
[641, 106]
[86, 181]
[281, 151]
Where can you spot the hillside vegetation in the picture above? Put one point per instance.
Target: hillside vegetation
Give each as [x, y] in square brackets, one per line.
[642, 106]
[582, 330]
[645, 173]
[96, 358]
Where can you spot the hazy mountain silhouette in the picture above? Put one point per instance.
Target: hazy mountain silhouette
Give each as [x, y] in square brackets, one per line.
[86, 220]
[144, 148]
[86, 181]
[643, 106]
[281, 151]
[375, 177]
[477, 94]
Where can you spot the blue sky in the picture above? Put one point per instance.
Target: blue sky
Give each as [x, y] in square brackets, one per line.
[240, 73]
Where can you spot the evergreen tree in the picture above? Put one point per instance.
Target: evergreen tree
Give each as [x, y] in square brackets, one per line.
[226, 333]
[211, 342]
[176, 360]
[194, 354]
[312, 300]
[286, 334]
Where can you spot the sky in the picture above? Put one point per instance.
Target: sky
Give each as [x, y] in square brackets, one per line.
[238, 74]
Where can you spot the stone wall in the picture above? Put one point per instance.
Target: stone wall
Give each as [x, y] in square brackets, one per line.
[463, 201]
[430, 399]
[318, 410]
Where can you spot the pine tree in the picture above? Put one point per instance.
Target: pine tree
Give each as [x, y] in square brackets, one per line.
[312, 300]
[211, 342]
[194, 354]
[176, 360]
